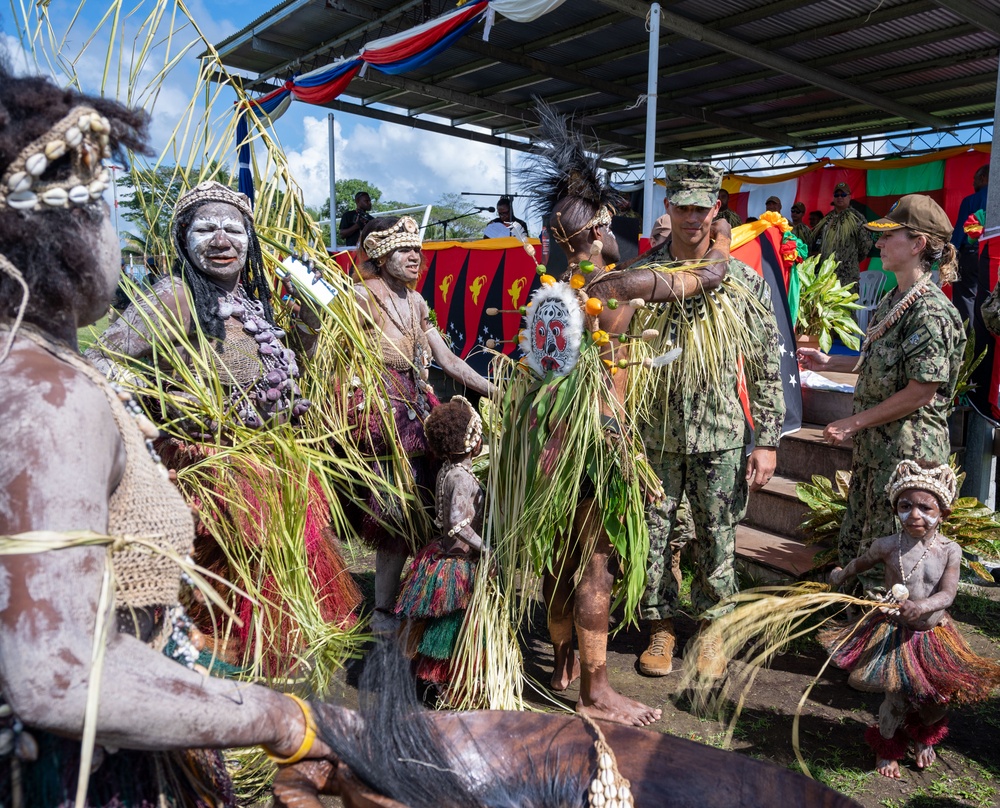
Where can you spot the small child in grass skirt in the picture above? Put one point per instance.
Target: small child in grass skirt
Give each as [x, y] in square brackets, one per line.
[438, 586]
[911, 650]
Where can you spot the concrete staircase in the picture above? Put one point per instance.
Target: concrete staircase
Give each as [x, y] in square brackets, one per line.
[768, 541]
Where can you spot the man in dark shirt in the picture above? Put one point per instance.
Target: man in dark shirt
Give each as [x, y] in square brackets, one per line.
[354, 221]
[505, 214]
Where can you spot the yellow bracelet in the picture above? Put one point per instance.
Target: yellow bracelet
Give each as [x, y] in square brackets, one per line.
[307, 740]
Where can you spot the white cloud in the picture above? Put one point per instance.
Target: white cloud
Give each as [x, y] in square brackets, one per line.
[405, 163]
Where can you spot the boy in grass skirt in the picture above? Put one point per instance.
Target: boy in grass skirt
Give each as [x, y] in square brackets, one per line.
[911, 650]
[436, 592]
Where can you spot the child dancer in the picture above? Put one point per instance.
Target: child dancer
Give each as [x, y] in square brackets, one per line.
[438, 587]
[912, 651]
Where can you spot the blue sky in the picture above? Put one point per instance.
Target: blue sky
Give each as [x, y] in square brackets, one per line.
[405, 163]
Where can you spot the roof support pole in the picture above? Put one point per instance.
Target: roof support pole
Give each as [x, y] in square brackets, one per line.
[992, 228]
[651, 85]
[334, 224]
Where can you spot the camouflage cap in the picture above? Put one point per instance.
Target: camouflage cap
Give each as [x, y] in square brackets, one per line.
[695, 184]
[799, 206]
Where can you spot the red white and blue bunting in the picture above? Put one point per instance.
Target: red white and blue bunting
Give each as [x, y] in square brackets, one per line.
[394, 54]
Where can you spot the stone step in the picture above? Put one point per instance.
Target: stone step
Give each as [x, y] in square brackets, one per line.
[781, 554]
[826, 406]
[776, 508]
[804, 453]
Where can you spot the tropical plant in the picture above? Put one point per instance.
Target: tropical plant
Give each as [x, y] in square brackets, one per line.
[825, 307]
[972, 524]
[970, 362]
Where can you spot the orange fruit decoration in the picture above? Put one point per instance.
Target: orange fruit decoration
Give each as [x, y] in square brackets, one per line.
[577, 281]
[594, 306]
[547, 280]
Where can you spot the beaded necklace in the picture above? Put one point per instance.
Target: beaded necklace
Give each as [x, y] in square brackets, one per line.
[410, 335]
[878, 330]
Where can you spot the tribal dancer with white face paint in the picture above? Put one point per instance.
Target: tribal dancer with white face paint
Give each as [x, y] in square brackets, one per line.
[219, 292]
[912, 652]
[75, 458]
[408, 341]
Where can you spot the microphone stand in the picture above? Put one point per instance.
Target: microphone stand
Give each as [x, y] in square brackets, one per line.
[445, 222]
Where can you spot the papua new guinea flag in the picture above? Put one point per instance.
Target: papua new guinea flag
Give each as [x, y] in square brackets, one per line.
[763, 253]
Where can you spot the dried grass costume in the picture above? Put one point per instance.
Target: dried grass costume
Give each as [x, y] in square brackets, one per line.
[404, 391]
[258, 371]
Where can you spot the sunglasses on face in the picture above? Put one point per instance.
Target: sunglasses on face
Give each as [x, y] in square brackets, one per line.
[840, 195]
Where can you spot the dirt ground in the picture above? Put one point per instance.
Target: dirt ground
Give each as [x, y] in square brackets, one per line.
[833, 720]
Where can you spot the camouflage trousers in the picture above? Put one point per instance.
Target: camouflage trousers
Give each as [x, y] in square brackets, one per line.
[716, 489]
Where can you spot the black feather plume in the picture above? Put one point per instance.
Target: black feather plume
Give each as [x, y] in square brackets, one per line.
[564, 163]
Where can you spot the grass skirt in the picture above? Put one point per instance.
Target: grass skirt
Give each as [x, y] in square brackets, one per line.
[433, 598]
[333, 588]
[382, 525]
[935, 665]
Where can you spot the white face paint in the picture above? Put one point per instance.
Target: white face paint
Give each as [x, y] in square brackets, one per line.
[919, 512]
[217, 242]
[404, 264]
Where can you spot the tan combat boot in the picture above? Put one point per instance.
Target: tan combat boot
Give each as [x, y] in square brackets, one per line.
[711, 662]
[658, 659]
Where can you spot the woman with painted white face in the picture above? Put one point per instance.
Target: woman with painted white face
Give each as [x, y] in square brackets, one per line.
[408, 341]
[73, 458]
[219, 292]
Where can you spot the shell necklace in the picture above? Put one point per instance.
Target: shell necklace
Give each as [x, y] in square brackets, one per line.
[899, 555]
[877, 330]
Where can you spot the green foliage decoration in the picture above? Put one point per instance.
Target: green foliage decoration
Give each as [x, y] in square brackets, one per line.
[825, 307]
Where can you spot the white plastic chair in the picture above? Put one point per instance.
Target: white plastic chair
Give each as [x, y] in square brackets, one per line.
[869, 291]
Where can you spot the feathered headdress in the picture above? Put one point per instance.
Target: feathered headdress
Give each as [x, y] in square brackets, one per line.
[565, 163]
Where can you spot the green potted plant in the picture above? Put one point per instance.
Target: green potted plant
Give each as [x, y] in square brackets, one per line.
[825, 307]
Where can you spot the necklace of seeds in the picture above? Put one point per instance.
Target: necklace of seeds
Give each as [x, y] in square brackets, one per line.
[899, 555]
[275, 391]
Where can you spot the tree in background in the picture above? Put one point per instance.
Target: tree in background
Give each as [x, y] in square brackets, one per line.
[146, 201]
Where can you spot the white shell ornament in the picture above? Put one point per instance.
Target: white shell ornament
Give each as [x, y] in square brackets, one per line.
[96, 189]
[36, 164]
[79, 195]
[19, 181]
[55, 197]
[22, 200]
[900, 593]
[55, 149]
[73, 136]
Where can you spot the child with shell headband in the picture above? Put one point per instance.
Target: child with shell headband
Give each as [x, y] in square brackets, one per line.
[912, 651]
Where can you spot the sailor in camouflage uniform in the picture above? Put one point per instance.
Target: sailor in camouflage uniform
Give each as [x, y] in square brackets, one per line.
[696, 434]
[908, 371]
[725, 212]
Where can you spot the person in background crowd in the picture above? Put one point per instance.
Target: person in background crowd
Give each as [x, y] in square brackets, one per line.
[800, 229]
[724, 212]
[354, 221]
[842, 233]
[773, 204]
[505, 214]
[964, 289]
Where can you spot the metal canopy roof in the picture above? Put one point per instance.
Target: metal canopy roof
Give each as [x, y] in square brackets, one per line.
[734, 75]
